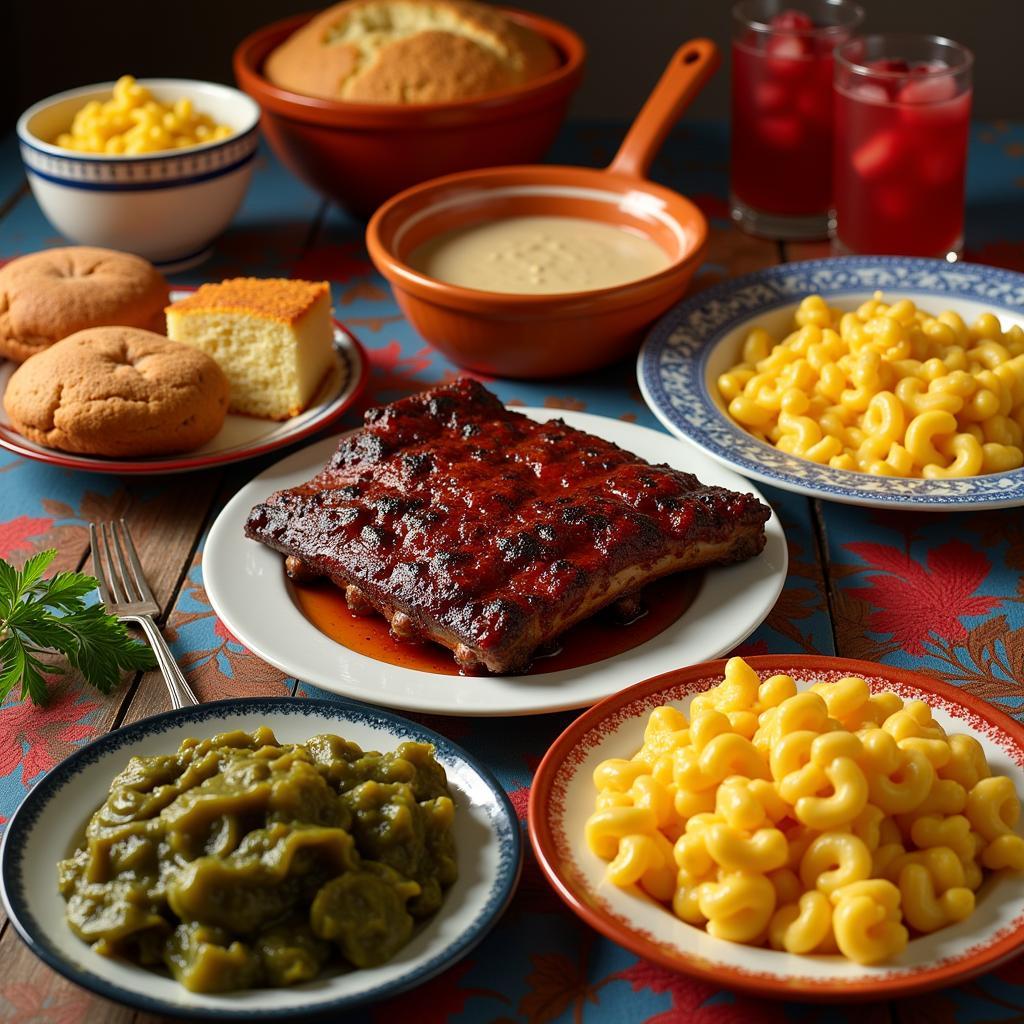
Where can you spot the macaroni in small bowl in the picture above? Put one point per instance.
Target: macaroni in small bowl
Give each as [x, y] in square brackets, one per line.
[156, 168]
[133, 121]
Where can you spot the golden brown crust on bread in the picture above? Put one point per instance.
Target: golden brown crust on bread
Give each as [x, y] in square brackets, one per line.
[429, 67]
[48, 295]
[408, 51]
[118, 391]
[270, 298]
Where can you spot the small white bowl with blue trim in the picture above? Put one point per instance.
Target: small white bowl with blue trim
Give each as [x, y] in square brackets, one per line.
[45, 827]
[693, 343]
[167, 206]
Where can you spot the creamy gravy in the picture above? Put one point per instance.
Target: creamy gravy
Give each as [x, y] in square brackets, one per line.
[539, 256]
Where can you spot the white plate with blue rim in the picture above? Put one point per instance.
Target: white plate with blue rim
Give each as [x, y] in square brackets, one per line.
[46, 828]
[693, 343]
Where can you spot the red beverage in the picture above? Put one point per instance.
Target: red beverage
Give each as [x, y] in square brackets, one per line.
[782, 72]
[902, 112]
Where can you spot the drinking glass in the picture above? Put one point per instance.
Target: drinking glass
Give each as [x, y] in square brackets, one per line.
[781, 171]
[903, 104]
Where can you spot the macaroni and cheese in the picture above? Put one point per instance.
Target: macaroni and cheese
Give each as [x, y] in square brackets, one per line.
[132, 121]
[886, 389]
[829, 820]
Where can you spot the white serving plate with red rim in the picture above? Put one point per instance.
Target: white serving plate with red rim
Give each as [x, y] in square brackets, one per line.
[562, 798]
[241, 437]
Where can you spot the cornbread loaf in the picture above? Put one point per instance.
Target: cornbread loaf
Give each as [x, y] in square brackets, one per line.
[408, 51]
[273, 338]
[118, 391]
[48, 295]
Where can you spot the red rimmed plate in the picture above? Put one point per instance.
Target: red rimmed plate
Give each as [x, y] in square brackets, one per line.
[241, 437]
[562, 798]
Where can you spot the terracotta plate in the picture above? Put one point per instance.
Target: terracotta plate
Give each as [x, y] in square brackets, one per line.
[562, 798]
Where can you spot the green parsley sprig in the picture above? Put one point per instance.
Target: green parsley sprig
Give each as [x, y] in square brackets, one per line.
[38, 616]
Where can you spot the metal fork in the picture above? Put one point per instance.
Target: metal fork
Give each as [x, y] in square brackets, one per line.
[125, 592]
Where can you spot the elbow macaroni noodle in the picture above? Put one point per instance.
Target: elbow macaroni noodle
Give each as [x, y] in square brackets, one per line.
[132, 122]
[887, 389]
[831, 820]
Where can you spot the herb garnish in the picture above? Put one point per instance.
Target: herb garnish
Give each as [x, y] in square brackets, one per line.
[39, 615]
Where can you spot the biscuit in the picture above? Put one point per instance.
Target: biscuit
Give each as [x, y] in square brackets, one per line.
[118, 391]
[48, 295]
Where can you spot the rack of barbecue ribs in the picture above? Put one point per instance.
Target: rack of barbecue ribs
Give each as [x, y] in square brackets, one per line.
[468, 524]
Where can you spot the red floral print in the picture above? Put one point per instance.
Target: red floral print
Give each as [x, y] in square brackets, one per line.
[915, 601]
[16, 534]
[393, 372]
[35, 1004]
[225, 634]
[520, 801]
[37, 738]
[692, 999]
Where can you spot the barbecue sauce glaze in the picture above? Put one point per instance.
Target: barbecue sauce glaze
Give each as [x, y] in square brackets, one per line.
[596, 639]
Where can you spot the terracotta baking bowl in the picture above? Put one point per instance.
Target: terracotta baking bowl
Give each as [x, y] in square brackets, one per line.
[511, 335]
[362, 153]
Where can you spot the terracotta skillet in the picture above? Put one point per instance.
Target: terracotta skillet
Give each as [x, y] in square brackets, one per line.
[527, 336]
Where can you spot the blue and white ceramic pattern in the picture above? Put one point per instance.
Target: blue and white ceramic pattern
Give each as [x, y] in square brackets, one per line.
[141, 173]
[701, 337]
[46, 827]
[165, 206]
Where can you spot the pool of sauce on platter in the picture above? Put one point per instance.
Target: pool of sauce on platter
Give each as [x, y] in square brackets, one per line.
[591, 641]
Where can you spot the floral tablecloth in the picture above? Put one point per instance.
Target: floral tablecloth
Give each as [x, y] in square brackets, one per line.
[937, 592]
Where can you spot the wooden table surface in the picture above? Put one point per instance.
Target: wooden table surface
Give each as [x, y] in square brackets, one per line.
[938, 592]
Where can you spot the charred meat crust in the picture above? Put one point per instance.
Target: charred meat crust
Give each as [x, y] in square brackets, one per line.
[491, 533]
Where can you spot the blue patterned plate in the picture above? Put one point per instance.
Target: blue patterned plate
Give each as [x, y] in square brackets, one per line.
[45, 829]
[693, 343]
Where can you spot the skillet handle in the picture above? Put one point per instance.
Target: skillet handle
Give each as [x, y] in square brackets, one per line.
[690, 67]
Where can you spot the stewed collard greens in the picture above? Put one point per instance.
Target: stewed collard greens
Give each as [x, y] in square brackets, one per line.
[240, 861]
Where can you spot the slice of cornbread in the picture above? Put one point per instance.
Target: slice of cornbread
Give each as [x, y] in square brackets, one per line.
[272, 337]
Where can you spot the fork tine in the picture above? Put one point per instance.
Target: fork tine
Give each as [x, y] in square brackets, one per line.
[97, 564]
[122, 564]
[133, 558]
[113, 579]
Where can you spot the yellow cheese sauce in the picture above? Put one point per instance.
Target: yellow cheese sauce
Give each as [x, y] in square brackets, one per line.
[539, 256]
